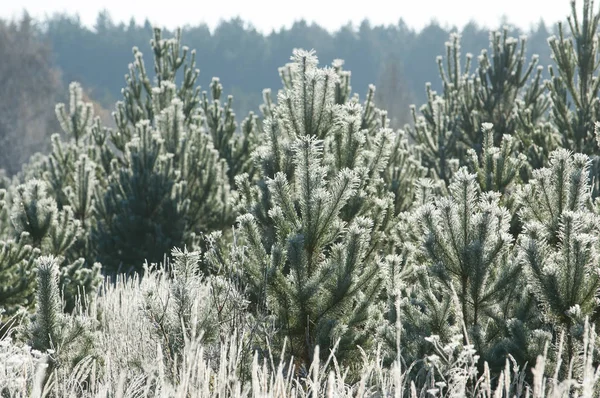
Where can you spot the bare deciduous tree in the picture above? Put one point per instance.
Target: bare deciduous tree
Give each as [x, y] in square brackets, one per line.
[29, 87]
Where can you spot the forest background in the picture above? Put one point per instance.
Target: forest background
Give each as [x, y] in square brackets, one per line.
[41, 57]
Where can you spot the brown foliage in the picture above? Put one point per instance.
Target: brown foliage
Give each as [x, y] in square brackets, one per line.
[29, 88]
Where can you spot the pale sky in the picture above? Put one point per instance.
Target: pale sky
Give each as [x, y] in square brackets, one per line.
[266, 15]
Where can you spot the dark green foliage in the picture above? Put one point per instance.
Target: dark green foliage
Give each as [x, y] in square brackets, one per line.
[16, 266]
[167, 178]
[38, 226]
[102, 173]
[141, 214]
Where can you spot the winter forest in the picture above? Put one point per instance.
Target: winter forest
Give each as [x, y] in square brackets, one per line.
[324, 238]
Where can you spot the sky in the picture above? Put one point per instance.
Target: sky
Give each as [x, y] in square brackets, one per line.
[266, 15]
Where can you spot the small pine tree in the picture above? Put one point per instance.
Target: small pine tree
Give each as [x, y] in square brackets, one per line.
[467, 242]
[318, 213]
[38, 222]
[574, 87]
[64, 339]
[559, 245]
[497, 92]
[193, 305]
[93, 171]
[234, 146]
[142, 213]
[574, 80]
[499, 169]
[317, 277]
[46, 325]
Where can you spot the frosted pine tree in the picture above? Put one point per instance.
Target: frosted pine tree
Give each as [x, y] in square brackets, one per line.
[63, 339]
[385, 155]
[317, 277]
[45, 328]
[235, 146]
[54, 206]
[497, 167]
[95, 172]
[500, 90]
[37, 223]
[559, 245]
[496, 92]
[574, 86]
[469, 253]
[575, 81]
[175, 110]
[316, 216]
[500, 169]
[17, 258]
[199, 136]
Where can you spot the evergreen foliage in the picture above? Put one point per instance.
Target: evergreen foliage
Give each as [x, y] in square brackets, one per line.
[48, 311]
[166, 140]
[311, 229]
[16, 260]
[574, 86]
[233, 146]
[497, 167]
[559, 244]
[467, 241]
[37, 226]
[496, 93]
[574, 81]
[141, 214]
[447, 256]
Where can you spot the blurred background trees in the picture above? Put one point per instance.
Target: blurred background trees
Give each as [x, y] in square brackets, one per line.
[40, 58]
[29, 87]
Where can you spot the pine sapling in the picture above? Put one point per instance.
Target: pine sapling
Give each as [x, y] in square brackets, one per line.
[45, 328]
[466, 239]
[317, 276]
[559, 245]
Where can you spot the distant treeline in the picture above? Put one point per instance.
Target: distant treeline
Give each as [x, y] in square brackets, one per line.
[247, 61]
